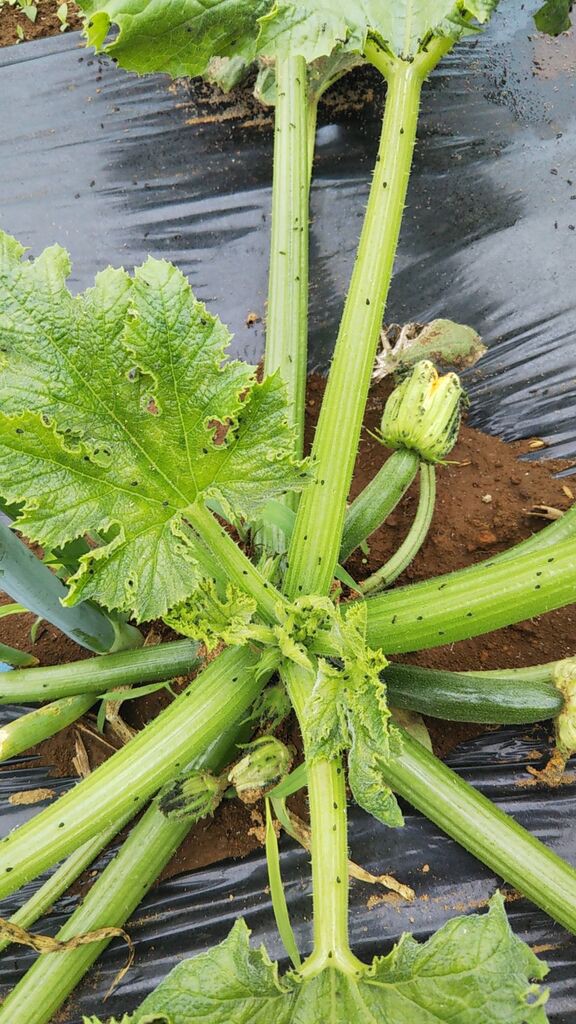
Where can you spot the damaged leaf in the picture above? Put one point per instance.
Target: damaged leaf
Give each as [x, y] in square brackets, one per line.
[472, 969]
[212, 620]
[120, 411]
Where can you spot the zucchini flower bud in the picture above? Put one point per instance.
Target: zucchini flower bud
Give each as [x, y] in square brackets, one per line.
[266, 761]
[565, 681]
[423, 413]
[194, 795]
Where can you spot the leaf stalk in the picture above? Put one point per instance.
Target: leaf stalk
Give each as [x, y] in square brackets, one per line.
[287, 319]
[329, 848]
[311, 564]
[211, 704]
[414, 539]
[100, 674]
[483, 829]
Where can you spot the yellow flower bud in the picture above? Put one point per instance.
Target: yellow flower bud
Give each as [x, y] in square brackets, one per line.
[423, 413]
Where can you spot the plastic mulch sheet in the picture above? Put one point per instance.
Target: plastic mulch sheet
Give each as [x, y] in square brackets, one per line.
[114, 167]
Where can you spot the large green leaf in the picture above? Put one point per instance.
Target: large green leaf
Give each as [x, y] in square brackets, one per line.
[183, 36]
[179, 38]
[314, 28]
[473, 971]
[111, 403]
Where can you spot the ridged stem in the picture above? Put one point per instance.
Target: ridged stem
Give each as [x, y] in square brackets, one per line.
[556, 532]
[111, 900]
[315, 543]
[211, 704]
[472, 601]
[323, 504]
[480, 827]
[29, 729]
[532, 673]
[97, 675]
[287, 317]
[109, 903]
[238, 568]
[329, 838]
[42, 901]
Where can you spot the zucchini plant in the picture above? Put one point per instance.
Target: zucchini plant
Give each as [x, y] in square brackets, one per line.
[124, 421]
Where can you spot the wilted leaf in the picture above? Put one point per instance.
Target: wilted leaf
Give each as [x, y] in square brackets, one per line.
[446, 344]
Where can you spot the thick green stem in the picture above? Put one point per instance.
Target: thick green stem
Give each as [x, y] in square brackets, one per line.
[109, 903]
[415, 538]
[111, 900]
[216, 699]
[287, 318]
[38, 725]
[532, 674]
[236, 565]
[562, 529]
[322, 506]
[472, 601]
[311, 126]
[480, 827]
[378, 499]
[31, 583]
[42, 901]
[317, 535]
[98, 675]
[328, 823]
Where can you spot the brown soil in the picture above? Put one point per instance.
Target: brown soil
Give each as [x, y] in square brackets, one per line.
[467, 528]
[47, 22]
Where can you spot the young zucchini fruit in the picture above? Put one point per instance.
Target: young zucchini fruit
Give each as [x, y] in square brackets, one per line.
[420, 422]
[471, 698]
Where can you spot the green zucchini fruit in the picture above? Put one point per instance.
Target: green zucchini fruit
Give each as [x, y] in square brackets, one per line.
[460, 697]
